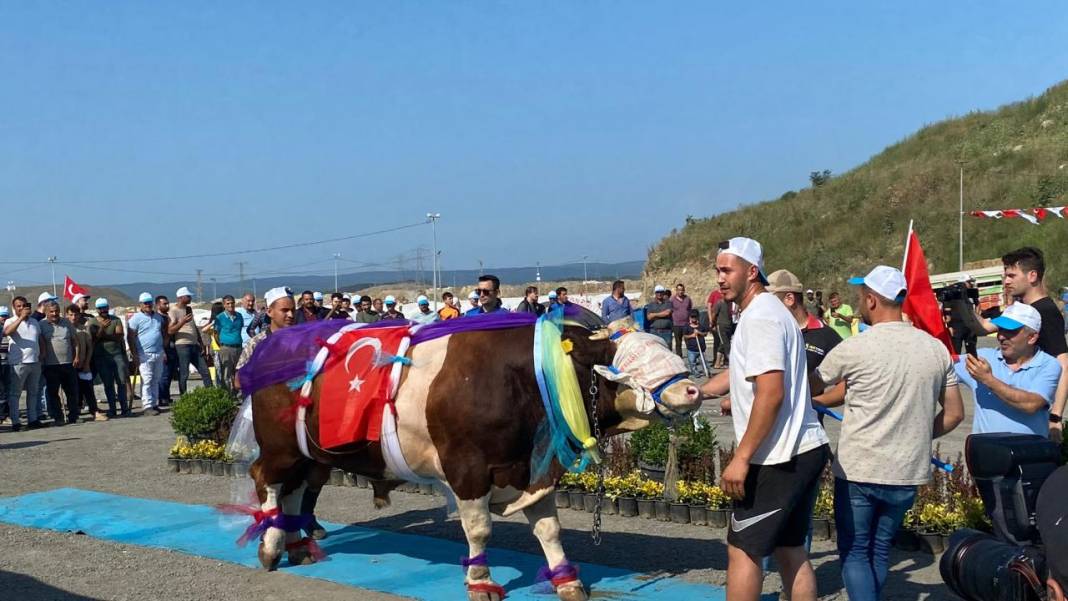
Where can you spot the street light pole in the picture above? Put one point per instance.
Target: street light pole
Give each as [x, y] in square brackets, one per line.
[961, 218]
[585, 275]
[336, 257]
[433, 219]
[52, 261]
[11, 289]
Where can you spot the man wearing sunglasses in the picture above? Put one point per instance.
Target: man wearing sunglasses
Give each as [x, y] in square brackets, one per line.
[489, 296]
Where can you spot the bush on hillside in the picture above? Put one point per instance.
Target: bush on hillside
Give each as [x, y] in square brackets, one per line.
[204, 414]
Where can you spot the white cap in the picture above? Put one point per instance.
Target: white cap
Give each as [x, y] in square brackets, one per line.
[964, 278]
[473, 295]
[748, 250]
[1018, 315]
[145, 297]
[4, 311]
[317, 295]
[389, 300]
[552, 294]
[78, 297]
[885, 281]
[44, 297]
[276, 293]
[101, 303]
[422, 300]
[659, 288]
[809, 291]
[183, 291]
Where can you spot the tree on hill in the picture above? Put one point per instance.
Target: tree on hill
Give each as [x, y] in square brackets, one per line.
[818, 178]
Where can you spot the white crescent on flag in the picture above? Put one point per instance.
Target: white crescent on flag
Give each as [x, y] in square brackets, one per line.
[372, 342]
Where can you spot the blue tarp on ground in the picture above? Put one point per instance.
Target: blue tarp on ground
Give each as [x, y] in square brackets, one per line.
[408, 565]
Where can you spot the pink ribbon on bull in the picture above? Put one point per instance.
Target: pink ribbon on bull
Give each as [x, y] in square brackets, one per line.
[261, 520]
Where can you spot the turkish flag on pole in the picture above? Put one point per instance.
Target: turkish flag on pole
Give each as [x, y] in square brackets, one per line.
[70, 288]
[920, 302]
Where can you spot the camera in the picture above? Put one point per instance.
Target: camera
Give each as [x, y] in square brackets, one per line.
[1009, 563]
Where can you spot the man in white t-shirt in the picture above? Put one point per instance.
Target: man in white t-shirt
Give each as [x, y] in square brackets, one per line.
[24, 355]
[782, 449]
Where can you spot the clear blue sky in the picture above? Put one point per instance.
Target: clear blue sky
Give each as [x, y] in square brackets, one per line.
[542, 131]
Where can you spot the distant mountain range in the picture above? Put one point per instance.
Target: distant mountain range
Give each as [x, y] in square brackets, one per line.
[366, 279]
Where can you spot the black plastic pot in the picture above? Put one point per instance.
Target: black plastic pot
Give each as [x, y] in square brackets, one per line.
[240, 470]
[698, 514]
[680, 513]
[185, 466]
[652, 472]
[628, 506]
[589, 502]
[172, 464]
[932, 542]
[361, 481]
[608, 506]
[218, 468]
[821, 529]
[646, 508]
[337, 477]
[663, 510]
[718, 518]
[198, 466]
[563, 500]
[575, 497]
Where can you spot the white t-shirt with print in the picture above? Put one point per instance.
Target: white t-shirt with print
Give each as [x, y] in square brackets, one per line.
[769, 339]
[25, 346]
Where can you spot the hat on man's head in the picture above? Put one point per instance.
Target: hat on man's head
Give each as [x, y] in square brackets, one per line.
[317, 295]
[965, 278]
[659, 288]
[183, 291]
[473, 295]
[44, 297]
[748, 250]
[809, 291]
[78, 297]
[101, 303]
[1051, 517]
[552, 294]
[887, 282]
[4, 311]
[1018, 315]
[389, 300]
[783, 281]
[276, 293]
[145, 297]
[422, 300]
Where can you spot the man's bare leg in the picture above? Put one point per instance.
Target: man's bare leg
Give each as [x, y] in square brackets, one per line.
[798, 577]
[745, 578]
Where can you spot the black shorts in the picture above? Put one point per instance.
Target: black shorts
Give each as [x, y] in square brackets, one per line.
[778, 504]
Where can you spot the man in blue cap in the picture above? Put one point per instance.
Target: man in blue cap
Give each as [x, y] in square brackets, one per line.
[109, 357]
[425, 315]
[147, 336]
[1015, 383]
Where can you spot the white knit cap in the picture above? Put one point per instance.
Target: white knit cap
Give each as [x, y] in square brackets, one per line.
[276, 293]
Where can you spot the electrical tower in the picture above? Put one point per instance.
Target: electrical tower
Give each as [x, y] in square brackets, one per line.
[200, 286]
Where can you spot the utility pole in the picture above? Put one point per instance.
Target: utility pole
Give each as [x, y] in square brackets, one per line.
[537, 275]
[214, 289]
[254, 293]
[960, 224]
[11, 290]
[241, 274]
[433, 219]
[200, 286]
[480, 272]
[52, 261]
[336, 257]
[585, 275]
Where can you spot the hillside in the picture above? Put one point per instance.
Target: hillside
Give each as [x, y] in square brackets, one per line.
[1015, 157]
[116, 297]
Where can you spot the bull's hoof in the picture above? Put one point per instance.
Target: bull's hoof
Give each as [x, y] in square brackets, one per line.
[484, 591]
[301, 557]
[572, 591]
[315, 530]
[268, 561]
[381, 502]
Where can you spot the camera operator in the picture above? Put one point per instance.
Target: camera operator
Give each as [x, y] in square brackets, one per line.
[960, 305]
[1015, 383]
[1051, 516]
[1024, 269]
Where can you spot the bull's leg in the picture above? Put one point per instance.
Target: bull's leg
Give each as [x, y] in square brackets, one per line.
[291, 506]
[477, 524]
[317, 477]
[546, 527]
[274, 540]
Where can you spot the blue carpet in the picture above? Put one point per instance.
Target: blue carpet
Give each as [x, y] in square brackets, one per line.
[407, 565]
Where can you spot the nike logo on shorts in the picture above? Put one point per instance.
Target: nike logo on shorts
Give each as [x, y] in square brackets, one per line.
[739, 525]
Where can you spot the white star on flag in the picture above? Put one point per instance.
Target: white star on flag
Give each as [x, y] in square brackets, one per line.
[354, 385]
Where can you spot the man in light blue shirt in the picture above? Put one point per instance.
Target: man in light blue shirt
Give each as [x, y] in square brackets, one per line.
[1015, 383]
[247, 310]
[617, 305]
[146, 338]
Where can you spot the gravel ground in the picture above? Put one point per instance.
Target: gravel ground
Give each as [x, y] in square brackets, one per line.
[127, 456]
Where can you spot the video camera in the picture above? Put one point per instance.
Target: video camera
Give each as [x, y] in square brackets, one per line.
[958, 292]
[1009, 564]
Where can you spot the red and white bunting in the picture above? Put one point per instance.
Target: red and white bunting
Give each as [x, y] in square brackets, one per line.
[1034, 216]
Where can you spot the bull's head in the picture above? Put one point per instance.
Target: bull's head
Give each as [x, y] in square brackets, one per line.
[657, 380]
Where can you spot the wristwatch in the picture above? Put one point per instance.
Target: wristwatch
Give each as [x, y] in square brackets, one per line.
[1054, 418]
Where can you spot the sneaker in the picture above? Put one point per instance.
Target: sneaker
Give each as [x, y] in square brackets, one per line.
[100, 417]
[16, 427]
[127, 413]
[152, 411]
[73, 420]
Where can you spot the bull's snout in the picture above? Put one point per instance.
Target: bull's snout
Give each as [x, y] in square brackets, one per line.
[693, 393]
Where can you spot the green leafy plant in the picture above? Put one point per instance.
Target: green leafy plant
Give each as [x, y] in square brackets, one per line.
[204, 414]
[650, 444]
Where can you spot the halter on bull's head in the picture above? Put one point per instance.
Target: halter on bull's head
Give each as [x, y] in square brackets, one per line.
[657, 380]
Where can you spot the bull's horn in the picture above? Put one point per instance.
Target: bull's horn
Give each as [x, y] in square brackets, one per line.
[601, 334]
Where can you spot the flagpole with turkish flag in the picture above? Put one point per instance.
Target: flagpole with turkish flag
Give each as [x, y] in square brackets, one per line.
[920, 302]
[70, 288]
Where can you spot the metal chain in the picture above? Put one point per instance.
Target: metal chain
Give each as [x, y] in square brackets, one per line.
[596, 533]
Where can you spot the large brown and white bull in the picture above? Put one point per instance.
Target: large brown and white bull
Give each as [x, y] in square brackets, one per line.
[467, 409]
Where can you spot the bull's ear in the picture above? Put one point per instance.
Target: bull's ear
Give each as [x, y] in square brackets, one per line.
[601, 334]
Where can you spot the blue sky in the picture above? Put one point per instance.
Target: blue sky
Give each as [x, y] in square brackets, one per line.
[541, 131]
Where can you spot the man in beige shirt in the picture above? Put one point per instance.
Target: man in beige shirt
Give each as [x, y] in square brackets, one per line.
[188, 344]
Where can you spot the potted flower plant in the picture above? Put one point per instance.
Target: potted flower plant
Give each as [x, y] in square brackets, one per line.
[567, 482]
[695, 497]
[718, 507]
[648, 493]
[822, 513]
[626, 489]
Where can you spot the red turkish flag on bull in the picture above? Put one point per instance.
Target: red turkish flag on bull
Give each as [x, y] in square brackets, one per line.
[70, 288]
[356, 385]
[920, 302]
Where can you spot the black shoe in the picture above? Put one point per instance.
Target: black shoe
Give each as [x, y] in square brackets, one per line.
[127, 413]
[34, 425]
[16, 427]
[73, 420]
[111, 414]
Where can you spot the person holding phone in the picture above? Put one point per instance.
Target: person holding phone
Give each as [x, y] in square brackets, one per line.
[188, 343]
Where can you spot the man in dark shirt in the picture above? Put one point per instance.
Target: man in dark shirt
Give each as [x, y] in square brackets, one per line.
[722, 322]
[696, 345]
[1024, 270]
[309, 310]
[489, 296]
[681, 305]
[658, 315]
[530, 303]
[366, 314]
[337, 307]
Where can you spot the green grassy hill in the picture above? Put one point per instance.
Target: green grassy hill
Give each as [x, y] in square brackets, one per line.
[1015, 157]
